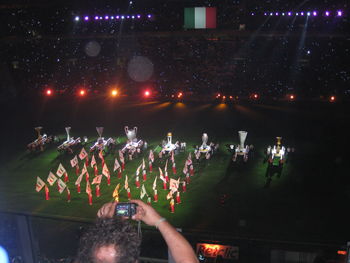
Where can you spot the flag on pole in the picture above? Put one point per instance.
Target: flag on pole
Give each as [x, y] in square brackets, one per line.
[116, 165]
[138, 169]
[116, 191]
[154, 183]
[174, 184]
[161, 175]
[51, 179]
[84, 170]
[93, 161]
[97, 179]
[105, 171]
[188, 161]
[83, 154]
[185, 169]
[143, 164]
[143, 191]
[100, 155]
[88, 188]
[39, 184]
[61, 185]
[78, 181]
[151, 156]
[74, 161]
[126, 186]
[172, 157]
[200, 17]
[166, 165]
[198, 154]
[60, 170]
[170, 195]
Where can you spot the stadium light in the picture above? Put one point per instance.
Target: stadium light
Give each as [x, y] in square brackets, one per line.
[86, 18]
[332, 99]
[77, 18]
[114, 93]
[292, 97]
[339, 13]
[82, 92]
[327, 13]
[49, 92]
[179, 95]
[147, 93]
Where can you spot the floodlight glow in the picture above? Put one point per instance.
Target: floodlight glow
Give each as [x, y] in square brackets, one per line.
[114, 93]
[49, 92]
[112, 17]
[332, 98]
[77, 18]
[82, 92]
[314, 13]
[302, 13]
[282, 14]
[327, 13]
[297, 14]
[128, 17]
[149, 16]
[339, 13]
[86, 18]
[138, 16]
[101, 17]
[265, 14]
[133, 17]
[117, 17]
[106, 17]
[123, 17]
[147, 93]
[291, 97]
[271, 14]
[289, 13]
[277, 14]
[96, 17]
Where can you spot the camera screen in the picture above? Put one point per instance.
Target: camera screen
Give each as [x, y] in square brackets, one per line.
[123, 210]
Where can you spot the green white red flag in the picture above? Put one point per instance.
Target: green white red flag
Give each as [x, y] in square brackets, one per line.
[200, 17]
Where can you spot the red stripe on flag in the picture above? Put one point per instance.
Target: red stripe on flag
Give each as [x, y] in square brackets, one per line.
[210, 13]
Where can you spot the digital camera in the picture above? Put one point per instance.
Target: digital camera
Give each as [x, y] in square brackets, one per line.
[125, 209]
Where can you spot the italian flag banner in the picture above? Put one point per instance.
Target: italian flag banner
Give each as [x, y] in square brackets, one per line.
[200, 17]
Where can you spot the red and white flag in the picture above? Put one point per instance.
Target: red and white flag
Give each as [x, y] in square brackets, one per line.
[185, 169]
[39, 184]
[161, 176]
[100, 154]
[88, 188]
[60, 170]
[83, 154]
[151, 156]
[174, 184]
[138, 169]
[143, 192]
[93, 161]
[189, 156]
[105, 171]
[188, 161]
[78, 181]
[97, 179]
[116, 191]
[121, 155]
[116, 165]
[61, 185]
[170, 195]
[74, 161]
[198, 154]
[84, 170]
[51, 179]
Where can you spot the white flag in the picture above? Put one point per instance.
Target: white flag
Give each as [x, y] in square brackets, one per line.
[61, 185]
[84, 170]
[60, 170]
[151, 156]
[39, 184]
[143, 164]
[126, 186]
[155, 183]
[51, 179]
[138, 169]
[161, 175]
[83, 154]
[74, 161]
[143, 191]
[116, 165]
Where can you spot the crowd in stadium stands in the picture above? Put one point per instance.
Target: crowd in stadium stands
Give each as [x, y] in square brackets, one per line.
[49, 49]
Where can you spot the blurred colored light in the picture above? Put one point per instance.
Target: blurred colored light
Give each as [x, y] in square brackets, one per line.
[117, 17]
[106, 17]
[271, 14]
[179, 95]
[123, 17]
[114, 93]
[96, 17]
[308, 13]
[302, 13]
[339, 13]
[314, 13]
[112, 17]
[48, 92]
[147, 93]
[282, 14]
[138, 16]
[297, 14]
[149, 16]
[332, 98]
[341, 252]
[327, 13]
[128, 17]
[218, 95]
[289, 13]
[255, 96]
[133, 17]
[101, 17]
[252, 14]
[77, 18]
[82, 92]
[224, 97]
[86, 18]
[277, 14]
[291, 97]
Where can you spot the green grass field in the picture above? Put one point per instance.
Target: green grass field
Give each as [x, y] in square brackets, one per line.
[224, 197]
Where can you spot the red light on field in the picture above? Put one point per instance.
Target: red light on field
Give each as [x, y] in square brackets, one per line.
[231, 97]
[218, 95]
[82, 92]
[48, 92]
[179, 95]
[332, 98]
[147, 93]
[255, 96]
[291, 97]
[114, 93]
[224, 97]
[341, 252]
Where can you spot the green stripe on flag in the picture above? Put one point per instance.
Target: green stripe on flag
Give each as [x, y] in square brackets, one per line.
[189, 17]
